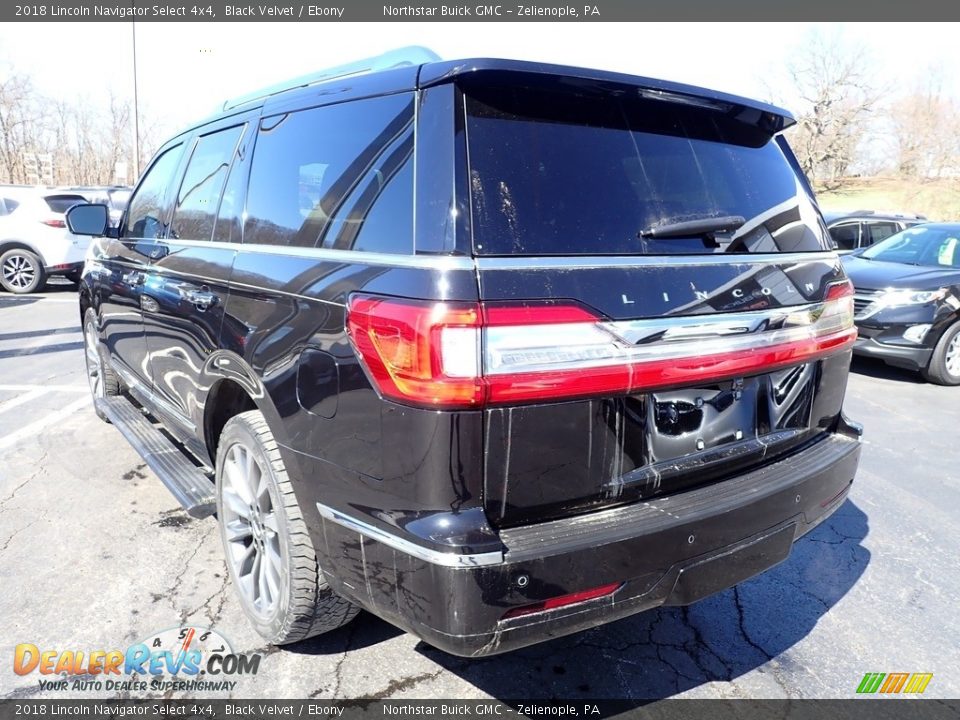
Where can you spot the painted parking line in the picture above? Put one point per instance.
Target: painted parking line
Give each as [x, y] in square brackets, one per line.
[35, 427]
[34, 298]
[22, 399]
[30, 388]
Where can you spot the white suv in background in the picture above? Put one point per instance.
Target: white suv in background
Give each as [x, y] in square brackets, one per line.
[34, 240]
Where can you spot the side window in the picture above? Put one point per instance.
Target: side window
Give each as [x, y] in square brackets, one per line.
[146, 208]
[227, 228]
[846, 236]
[196, 209]
[339, 176]
[875, 232]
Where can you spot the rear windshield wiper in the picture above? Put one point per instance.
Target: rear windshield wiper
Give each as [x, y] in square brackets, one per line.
[695, 228]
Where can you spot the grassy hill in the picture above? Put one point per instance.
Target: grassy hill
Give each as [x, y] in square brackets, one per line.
[937, 199]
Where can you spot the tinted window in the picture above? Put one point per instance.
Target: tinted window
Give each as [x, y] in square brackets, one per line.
[62, 203]
[556, 172]
[199, 197]
[146, 209]
[846, 236]
[876, 231]
[339, 177]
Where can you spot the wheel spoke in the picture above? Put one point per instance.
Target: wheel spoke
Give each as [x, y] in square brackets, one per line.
[238, 530]
[271, 523]
[235, 504]
[263, 493]
[263, 590]
[272, 549]
[235, 474]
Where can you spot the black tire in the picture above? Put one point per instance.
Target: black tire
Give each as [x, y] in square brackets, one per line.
[301, 604]
[73, 277]
[102, 380]
[944, 366]
[21, 272]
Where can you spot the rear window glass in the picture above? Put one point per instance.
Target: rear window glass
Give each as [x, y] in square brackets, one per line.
[558, 172]
[62, 203]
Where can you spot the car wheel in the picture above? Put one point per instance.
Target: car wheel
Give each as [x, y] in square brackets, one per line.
[102, 380]
[269, 554]
[944, 367]
[73, 277]
[21, 272]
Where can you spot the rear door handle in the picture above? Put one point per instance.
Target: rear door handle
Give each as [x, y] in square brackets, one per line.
[202, 298]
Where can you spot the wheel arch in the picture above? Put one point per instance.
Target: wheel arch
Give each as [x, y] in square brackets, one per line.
[234, 388]
[6, 245]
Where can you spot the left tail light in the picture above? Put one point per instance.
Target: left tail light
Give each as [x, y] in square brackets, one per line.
[54, 222]
[463, 355]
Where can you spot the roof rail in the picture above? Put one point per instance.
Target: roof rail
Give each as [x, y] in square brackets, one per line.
[402, 57]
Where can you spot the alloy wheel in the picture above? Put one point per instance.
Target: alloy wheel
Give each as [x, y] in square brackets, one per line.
[251, 530]
[91, 343]
[952, 359]
[19, 271]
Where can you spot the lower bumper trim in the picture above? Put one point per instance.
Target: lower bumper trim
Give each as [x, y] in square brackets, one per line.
[434, 557]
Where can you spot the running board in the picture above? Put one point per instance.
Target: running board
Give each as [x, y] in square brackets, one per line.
[190, 485]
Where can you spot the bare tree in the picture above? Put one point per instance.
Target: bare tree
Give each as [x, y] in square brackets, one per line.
[927, 125]
[86, 139]
[22, 125]
[836, 99]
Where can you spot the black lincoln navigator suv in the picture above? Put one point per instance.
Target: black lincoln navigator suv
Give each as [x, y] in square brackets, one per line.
[495, 350]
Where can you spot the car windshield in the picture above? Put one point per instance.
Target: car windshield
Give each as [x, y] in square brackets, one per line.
[926, 245]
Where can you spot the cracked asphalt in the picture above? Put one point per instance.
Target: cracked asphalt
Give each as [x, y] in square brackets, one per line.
[96, 554]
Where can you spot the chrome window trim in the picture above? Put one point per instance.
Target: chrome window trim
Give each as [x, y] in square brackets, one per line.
[434, 557]
[355, 257]
[592, 261]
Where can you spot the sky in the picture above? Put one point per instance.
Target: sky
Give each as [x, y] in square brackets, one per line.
[186, 70]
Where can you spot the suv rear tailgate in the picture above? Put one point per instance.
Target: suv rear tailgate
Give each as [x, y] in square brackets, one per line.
[582, 198]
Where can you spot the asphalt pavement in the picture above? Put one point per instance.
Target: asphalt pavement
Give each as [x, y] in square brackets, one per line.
[96, 554]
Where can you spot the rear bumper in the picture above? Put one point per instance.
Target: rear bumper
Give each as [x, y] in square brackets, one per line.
[673, 550]
[64, 268]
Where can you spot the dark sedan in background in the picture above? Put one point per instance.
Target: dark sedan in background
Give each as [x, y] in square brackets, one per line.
[907, 300]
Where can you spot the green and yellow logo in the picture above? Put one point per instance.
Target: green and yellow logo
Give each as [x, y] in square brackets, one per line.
[892, 683]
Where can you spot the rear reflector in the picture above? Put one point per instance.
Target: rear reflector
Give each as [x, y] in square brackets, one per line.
[563, 601]
[461, 355]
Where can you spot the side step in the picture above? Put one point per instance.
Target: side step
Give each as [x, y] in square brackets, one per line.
[190, 485]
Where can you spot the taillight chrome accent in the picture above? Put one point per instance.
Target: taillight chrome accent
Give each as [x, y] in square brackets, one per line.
[469, 355]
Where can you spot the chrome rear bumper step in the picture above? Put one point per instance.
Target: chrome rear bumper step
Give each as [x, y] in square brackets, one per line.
[190, 485]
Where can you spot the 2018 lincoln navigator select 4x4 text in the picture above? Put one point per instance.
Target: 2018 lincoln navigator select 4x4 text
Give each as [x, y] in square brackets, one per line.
[495, 350]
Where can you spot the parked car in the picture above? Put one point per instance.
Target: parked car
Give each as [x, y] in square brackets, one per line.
[863, 228]
[907, 300]
[496, 350]
[34, 240]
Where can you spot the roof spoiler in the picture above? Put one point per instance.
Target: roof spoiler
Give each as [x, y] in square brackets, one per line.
[402, 57]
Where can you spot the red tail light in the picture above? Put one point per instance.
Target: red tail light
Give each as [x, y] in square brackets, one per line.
[54, 222]
[461, 355]
[563, 601]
